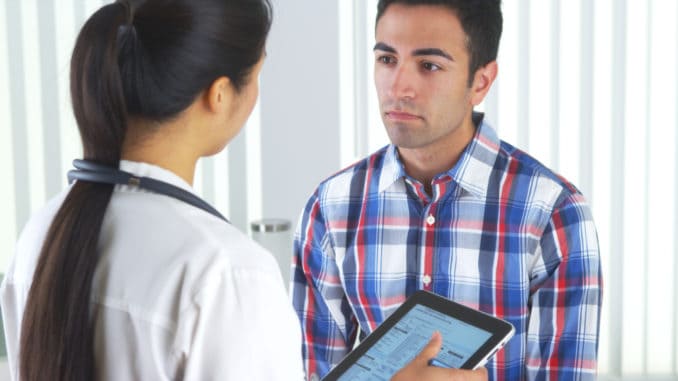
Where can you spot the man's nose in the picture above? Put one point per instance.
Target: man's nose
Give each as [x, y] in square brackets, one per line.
[402, 84]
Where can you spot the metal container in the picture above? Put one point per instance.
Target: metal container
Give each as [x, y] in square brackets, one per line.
[275, 234]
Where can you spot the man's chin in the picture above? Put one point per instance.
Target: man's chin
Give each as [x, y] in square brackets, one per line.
[404, 135]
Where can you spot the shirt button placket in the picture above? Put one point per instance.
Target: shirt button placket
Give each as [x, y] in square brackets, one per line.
[426, 279]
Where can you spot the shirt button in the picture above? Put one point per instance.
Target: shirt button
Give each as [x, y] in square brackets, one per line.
[427, 279]
[430, 219]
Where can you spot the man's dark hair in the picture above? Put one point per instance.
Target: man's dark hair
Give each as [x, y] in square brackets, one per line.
[481, 20]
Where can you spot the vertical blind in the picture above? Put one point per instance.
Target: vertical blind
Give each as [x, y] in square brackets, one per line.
[590, 89]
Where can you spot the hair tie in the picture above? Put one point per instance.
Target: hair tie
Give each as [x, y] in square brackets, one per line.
[126, 29]
[129, 8]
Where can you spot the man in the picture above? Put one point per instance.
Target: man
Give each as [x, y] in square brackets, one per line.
[449, 208]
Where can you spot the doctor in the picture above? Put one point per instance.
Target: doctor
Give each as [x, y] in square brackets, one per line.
[126, 283]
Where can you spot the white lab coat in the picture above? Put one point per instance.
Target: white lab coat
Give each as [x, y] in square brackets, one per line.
[177, 293]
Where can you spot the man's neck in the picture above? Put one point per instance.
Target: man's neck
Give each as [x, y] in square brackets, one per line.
[424, 163]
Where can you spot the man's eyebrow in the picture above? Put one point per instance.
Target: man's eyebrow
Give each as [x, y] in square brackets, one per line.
[384, 47]
[417, 52]
[432, 52]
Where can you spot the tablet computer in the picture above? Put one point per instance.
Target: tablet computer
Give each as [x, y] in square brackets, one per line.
[470, 338]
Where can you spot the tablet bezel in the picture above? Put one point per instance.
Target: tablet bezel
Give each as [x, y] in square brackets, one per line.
[501, 330]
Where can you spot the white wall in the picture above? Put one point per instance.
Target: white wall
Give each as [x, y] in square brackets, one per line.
[299, 104]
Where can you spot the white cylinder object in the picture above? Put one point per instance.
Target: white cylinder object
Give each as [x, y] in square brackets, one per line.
[275, 235]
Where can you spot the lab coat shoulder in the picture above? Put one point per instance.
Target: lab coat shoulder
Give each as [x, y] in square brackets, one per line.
[16, 281]
[240, 324]
[29, 243]
[234, 318]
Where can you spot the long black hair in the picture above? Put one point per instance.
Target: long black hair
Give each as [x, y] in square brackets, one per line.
[149, 60]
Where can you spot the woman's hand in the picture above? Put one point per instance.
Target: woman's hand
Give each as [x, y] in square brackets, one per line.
[419, 370]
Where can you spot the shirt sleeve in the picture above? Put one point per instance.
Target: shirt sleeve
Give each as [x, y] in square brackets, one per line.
[327, 324]
[242, 327]
[566, 291]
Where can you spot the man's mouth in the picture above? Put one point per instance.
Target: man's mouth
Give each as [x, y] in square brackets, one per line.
[401, 116]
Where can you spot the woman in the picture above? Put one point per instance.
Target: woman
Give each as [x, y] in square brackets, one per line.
[121, 282]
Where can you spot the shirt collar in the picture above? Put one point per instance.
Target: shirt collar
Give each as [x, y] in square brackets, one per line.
[392, 169]
[471, 172]
[474, 168]
[153, 171]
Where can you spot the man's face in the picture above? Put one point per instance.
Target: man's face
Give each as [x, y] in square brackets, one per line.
[421, 75]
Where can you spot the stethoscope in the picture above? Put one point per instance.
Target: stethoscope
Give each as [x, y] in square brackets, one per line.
[98, 173]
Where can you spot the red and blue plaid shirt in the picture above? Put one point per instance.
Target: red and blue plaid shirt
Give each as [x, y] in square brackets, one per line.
[500, 233]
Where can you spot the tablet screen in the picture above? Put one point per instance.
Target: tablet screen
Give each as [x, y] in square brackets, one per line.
[409, 335]
[470, 337]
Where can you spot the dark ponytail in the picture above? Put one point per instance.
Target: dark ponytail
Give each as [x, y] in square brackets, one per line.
[56, 333]
[149, 63]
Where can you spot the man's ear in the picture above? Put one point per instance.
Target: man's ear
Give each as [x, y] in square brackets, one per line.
[219, 95]
[482, 81]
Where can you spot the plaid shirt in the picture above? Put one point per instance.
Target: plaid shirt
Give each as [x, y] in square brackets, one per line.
[500, 233]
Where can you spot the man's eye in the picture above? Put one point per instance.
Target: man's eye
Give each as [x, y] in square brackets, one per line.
[428, 66]
[386, 59]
